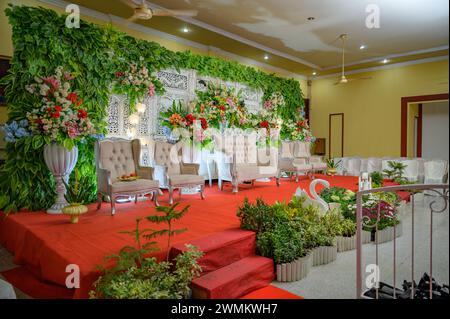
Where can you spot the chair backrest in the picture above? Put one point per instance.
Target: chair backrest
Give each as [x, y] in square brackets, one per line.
[374, 165]
[302, 149]
[119, 156]
[436, 169]
[354, 166]
[167, 155]
[411, 169]
[287, 149]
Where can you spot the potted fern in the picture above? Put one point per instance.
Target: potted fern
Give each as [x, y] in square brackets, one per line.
[76, 196]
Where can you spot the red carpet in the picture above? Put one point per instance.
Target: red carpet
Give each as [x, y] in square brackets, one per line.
[271, 292]
[49, 243]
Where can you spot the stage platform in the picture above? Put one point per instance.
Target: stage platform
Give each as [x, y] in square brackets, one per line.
[45, 244]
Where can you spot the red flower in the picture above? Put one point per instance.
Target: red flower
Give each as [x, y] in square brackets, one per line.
[49, 109]
[119, 74]
[264, 124]
[82, 114]
[189, 119]
[204, 123]
[72, 97]
[58, 108]
[56, 115]
[79, 102]
[222, 108]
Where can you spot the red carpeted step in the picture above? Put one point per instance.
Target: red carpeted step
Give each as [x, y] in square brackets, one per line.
[235, 280]
[271, 292]
[221, 249]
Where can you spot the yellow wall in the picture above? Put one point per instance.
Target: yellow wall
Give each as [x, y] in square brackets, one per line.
[372, 107]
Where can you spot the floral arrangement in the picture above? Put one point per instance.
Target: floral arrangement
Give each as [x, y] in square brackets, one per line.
[61, 118]
[178, 117]
[137, 82]
[297, 130]
[16, 130]
[221, 106]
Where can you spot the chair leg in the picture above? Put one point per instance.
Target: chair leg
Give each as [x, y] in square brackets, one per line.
[220, 184]
[296, 177]
[99, 200]
[170, 195]
[202, 191]
[235, 187]
[136, 199]
[155, 198]
[253, 182]
[278, 181]
[113, 205]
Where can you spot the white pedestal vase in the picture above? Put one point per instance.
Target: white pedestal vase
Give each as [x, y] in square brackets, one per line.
[60, 162]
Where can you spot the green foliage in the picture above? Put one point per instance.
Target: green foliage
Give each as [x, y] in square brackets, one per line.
[135, 276]
[332, 163]
[170, 214]
[93, 54]
[396, 171]
[78, 191]
[377, 179]
[337, 195]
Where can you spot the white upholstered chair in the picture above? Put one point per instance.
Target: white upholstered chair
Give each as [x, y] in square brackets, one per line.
[291, 160]
[411, 170]
[118, 157]
[374, 165]
[177, 174]
[435, 171]
[317, 162]
[354, 166]
[239, 159]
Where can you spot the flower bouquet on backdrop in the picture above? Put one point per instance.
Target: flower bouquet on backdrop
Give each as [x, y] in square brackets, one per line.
[61, 117]
[219, 105]
[297, 130]
[136, 82]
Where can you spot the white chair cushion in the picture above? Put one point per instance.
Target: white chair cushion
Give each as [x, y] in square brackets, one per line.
[134, 186]
[176, 180]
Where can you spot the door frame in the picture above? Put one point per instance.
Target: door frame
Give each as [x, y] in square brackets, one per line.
[404, 117]
[329, 133]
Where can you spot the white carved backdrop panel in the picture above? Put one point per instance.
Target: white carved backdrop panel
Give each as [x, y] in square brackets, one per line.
[179, 86]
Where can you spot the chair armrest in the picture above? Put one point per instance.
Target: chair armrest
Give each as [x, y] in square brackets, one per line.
[145, 172]
[103, 179]
[316, 159]
[189, 168]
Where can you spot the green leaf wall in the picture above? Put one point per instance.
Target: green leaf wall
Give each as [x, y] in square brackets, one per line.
[94, 53]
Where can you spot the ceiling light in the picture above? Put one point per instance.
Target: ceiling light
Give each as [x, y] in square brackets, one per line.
[362, 47]
[314, 73]
[266, 57]
[385, 61]
[311, 18]
[185, 30]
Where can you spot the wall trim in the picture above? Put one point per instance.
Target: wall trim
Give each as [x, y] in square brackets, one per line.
[137, 27]
[391, 56]
[404, 116]
[384, 67]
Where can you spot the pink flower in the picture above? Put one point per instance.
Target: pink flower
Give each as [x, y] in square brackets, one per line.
[72, 131]
[52, 81]
[268, 105]
[151, 90]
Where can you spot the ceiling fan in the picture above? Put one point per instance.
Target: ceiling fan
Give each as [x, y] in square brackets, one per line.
[343, 79]
[143, 12]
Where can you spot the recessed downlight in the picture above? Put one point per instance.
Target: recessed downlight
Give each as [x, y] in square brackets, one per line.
[266, 57]
[385, 61]
[362, 47]
[185, 30]
[314, 73]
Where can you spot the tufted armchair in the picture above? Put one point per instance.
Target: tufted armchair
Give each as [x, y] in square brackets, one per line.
[117, 157]
[293, 160]
[316, 161]
[239, 160]
[176, 174]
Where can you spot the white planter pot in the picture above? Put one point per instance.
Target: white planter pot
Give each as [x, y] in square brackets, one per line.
[349, 243]
[61, 163]
[295, 270]
[324, 255]
[387, 234]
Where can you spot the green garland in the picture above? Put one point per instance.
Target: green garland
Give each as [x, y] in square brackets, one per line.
[95, 54]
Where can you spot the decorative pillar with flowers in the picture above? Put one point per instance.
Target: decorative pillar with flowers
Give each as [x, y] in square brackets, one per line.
[62, 122]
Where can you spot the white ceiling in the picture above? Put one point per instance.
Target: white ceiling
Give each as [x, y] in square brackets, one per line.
[406, 26]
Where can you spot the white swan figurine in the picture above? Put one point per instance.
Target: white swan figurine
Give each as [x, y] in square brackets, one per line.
[316, 200]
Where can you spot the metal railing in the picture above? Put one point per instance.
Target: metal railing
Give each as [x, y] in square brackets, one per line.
[440, 192]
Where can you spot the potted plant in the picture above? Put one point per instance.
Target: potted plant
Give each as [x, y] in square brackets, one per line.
[76, 196]
[377, 179]
[332, 166]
